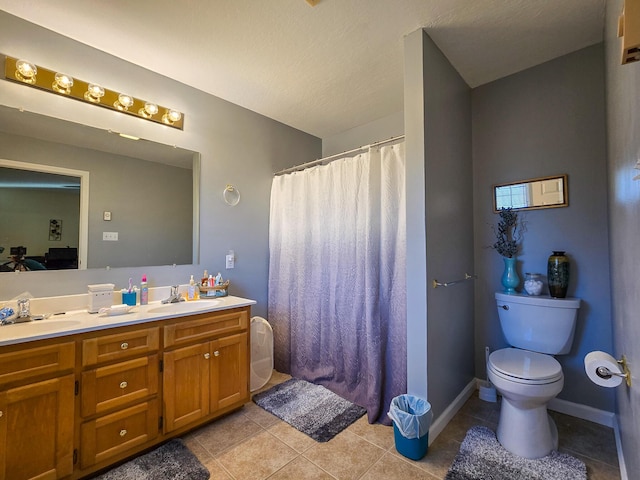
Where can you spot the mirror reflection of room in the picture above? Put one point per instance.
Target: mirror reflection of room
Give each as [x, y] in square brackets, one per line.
[59, 219]
[536, 193]
[39, 220]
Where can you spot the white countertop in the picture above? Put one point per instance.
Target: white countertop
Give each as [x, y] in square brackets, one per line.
[80, 321]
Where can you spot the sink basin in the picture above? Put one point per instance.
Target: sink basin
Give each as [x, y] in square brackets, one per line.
[183, 307]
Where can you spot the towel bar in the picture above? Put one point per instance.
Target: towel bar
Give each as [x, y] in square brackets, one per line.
[437, 284]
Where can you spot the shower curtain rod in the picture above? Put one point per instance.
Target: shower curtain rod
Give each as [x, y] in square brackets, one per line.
[337, 155]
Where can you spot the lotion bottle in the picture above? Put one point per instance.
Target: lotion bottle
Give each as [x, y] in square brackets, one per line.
[144, 291]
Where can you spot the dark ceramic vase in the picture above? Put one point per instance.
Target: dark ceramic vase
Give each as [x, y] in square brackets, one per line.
[558, 274]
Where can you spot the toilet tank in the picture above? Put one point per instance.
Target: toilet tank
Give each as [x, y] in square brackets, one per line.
[539, 324]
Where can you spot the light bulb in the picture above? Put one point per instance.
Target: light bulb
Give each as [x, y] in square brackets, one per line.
[26, 71]
[171, 116]
[62, 83]
[149, 110]
[124, 102]
[94, 93]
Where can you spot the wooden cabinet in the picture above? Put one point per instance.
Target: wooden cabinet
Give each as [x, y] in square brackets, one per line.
[205, 376]
[118, 394]
[75, 405]
[37, 412]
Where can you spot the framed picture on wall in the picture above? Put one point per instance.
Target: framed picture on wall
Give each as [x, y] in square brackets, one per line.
[55, 229]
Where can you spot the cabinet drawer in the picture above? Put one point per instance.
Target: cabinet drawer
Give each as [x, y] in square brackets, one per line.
[32, 362]
[117, 433]
[205, 326]
[113, 386]
[119, 346]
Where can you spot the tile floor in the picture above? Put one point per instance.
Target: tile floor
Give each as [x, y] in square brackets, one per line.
[252, 444]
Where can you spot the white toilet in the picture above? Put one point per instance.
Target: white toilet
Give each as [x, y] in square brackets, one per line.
[528, 376]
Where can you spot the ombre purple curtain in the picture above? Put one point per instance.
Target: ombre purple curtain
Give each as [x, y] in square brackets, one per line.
[337, 284]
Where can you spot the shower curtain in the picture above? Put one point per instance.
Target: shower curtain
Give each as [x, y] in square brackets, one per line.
[337, 296]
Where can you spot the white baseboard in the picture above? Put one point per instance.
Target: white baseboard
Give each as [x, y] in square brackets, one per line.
[623, 466]
[585, 412]
[438, 425]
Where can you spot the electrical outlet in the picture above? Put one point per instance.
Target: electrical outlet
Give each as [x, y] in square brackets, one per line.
[230, 260]
[110, 236]
[106, 216]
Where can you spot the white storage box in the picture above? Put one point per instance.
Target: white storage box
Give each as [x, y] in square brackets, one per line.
[100, 296]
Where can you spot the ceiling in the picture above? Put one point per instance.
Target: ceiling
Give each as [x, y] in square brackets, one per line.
[322, 69]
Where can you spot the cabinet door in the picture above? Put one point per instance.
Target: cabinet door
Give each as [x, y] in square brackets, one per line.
[186, 385]
[36, 430]
[229, 379]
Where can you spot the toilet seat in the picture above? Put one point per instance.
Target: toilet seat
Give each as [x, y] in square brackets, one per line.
[523, 366]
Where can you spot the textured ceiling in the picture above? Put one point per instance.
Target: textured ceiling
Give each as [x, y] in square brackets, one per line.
[322, 69]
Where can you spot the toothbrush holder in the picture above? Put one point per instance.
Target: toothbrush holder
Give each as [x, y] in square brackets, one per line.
[129, 298]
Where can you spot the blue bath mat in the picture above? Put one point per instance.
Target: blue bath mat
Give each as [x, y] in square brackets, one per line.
[310, 408]
[482, 457]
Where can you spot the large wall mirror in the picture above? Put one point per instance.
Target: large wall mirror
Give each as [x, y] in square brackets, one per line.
[73, 196]
[535, 193]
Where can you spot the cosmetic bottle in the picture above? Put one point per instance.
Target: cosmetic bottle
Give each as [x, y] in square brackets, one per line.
[144, 291]
[205, 279]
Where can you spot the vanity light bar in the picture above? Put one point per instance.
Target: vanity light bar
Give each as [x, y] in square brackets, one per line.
[26, 73]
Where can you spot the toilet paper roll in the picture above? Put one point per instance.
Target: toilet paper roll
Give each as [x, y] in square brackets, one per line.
[596, 359]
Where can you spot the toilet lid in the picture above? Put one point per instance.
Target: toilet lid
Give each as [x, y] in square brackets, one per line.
[525, 365]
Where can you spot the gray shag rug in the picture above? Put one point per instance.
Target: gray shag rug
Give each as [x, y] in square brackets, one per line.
[481, 457]
[310, 408]
[171, 461]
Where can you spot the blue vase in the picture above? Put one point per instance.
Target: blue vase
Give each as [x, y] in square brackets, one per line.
[510, 279]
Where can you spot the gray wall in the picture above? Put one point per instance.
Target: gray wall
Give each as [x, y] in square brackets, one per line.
[544, 121]
[440, 224]
[623, 118]
[150, 203]
[238, 147]
[380, 129]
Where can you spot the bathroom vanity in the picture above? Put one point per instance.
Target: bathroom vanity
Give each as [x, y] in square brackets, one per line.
[80, 392]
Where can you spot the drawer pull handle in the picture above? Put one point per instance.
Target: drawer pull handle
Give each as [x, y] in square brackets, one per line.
[1, 413]
[216, 353]
[123, 432]
[124, 345]
[124, 384]
[207, 356]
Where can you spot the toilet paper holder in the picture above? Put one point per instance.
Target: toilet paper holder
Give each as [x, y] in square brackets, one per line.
[604, 372]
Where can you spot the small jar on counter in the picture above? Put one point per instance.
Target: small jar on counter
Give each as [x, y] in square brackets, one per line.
[533, 283]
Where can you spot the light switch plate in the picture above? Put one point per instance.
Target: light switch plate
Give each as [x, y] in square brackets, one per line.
[230, 261]
[110, 236]
[106, 216]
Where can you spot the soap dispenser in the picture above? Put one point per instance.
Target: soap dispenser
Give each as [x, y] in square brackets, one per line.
[192, 291]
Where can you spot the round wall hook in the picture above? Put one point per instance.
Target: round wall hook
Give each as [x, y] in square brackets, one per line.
[231, 195]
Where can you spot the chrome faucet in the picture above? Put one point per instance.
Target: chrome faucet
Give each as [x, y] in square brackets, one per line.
[175, 296]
